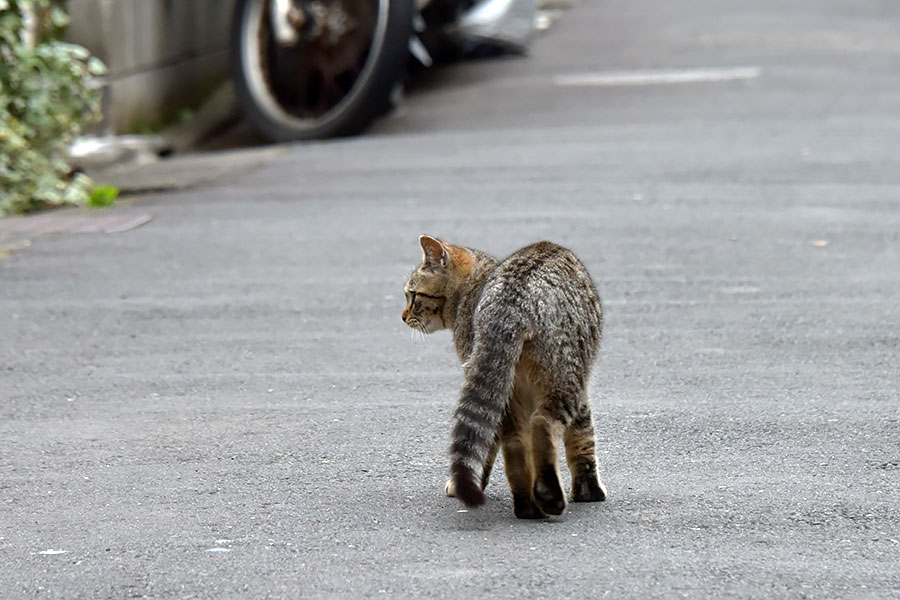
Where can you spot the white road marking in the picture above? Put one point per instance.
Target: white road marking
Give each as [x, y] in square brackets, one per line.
[740, 290]
[623, 78]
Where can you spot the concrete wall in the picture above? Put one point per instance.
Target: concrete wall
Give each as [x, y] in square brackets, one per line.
[163, 55]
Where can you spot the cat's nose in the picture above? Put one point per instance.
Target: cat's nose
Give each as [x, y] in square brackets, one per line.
[403, 316]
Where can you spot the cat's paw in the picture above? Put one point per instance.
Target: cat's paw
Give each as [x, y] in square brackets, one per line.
[525, 508]
[450, 488]
[548, 493]
[588, 489]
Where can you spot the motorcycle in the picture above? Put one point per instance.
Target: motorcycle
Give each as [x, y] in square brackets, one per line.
[313, 69]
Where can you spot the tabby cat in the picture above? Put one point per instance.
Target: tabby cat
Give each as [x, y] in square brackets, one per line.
[527, 330]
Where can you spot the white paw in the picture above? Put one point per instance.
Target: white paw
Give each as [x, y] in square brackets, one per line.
[450, 489]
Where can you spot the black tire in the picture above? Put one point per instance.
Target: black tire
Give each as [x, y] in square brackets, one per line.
[367, 95]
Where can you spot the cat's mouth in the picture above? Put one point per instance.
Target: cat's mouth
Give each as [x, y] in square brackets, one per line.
[418, 325]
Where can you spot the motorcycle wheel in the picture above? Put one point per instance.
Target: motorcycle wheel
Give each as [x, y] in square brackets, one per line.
[330, 86]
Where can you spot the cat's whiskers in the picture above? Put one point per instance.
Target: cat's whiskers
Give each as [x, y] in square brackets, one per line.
[418, 329]
[414, 329]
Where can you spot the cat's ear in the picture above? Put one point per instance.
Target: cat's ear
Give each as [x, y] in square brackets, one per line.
[434, 252]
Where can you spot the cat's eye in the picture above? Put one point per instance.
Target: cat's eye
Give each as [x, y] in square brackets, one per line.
[429, 296]
[429, 300]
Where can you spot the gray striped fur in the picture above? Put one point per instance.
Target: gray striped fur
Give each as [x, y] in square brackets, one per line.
[527, 329]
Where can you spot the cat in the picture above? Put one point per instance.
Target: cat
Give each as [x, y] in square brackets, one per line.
[527, 330]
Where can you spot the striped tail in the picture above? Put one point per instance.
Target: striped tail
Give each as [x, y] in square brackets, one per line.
[489, 376]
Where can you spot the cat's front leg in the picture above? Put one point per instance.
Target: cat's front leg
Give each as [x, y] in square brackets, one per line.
[581, 456]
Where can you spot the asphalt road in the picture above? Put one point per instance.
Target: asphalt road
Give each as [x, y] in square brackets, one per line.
[224, 403]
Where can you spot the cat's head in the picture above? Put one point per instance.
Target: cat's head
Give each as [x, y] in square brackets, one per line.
[443, 267]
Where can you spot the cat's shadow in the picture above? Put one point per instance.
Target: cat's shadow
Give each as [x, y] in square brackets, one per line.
[496, 513]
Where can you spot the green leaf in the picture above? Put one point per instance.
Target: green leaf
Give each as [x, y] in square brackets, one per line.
[102, 195]
[48, 94]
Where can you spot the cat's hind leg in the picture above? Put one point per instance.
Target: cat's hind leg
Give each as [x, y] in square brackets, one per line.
[581, 457]
[546, 429]
[517, 462]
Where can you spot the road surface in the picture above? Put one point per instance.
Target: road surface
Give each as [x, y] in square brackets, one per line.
[224, 402]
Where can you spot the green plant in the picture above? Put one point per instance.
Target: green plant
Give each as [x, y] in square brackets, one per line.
[102, 196]
[49, 91]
